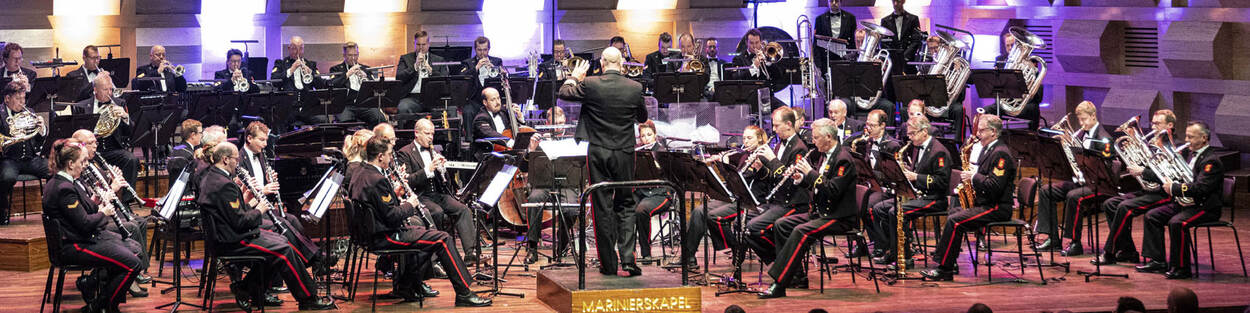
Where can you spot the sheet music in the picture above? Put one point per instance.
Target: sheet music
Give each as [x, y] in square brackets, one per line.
[321, 203]
[563, 148]
[498, 184]
[169, 204]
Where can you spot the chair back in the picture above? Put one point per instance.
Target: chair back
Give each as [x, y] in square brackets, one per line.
[52, 229]
[354, 232]
[1227, 195]
[209, 224]
[1026, 191]
[952, 199]
[861, 197]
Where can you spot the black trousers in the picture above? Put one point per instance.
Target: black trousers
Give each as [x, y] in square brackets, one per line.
[1178, 219]
[129, 165]
[648, 207]
[959, 223]
[887, 220]
[9, 169]
[138, 242]
[282, 260]
[720, 216]
[760, 235]
[364, 113]
[613, 219]
[112, 254]
[444, 209]
[1076, 200]
[566, 218]
[305, 249]
[430, 241]
[798, 232]
[869, 218]
[1120, 211]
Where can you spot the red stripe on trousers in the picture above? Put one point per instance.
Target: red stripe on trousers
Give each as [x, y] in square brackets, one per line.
[952, 239]
[288, 265]
[658, 206]
[721, 229]
[1077, 217]
[129, 271]
[297, 253]
[764, 232]
[1130, 213]
[1185, 242]
[921, 208]
[786, 269]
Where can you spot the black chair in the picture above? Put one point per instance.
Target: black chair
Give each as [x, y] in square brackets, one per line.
[935, 219]
[1229, 183]
[854, 236]
[23, 179]
[1025, 189]
[360, 239]
[211, 261]
[52, 230]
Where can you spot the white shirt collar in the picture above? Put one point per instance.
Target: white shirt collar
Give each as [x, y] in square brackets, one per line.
[66, 175]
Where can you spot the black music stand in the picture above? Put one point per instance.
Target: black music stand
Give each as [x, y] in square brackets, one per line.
[555, 175]
[671, 87]
[318, 200]
[325, 102]
[855, 79]
[119, 69]
[451, 92]
[64, 126]
[489, 197]
[1098, 175]
[382, 92]
[998, 84]
[929, 88]
[168, 212]
[1045, 153]
[46, 90]
[521, 87]
[732, 92]
[158, 123]
[270, 106]
[216, 108]
[545, 93]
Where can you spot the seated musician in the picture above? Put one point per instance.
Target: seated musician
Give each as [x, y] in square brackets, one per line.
[11, 60]
[831, 177]
[927, 165]
[1121, 209]
[137, 227]
[85, 74]
[481, 66]
[800, 121]
[115, 146]
[427, 175]
[651, 201]
[876, 144]
[292, 69]
[994, 183]
[1091, 136]
[785, 199]
[1197, 202]
[367, 113]
[413, 68]
[161, 75]
[686, 43]
[253, 160]
[235, 70]
[80, 224]
[721, 214]
[1031, 110]
[753, 59]
[845, 126]
[237, 232]
[655, 60]
[554, 68]
[618, 42]
[567, 214]
[192, 132]
[715, 66]
[491, 123]
[21, 157]
[384, 216]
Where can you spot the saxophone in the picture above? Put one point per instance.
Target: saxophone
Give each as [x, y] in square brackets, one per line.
[898, 215]
[965, 191]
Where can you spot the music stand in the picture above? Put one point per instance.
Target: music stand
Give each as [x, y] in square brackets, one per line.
[929, 88]
[169, 213]
[733, 92]
[855, 79]
[670, 87]
[270, 106]
[323, 194]
[555, 175]
[545, 93]
[892, 177]
[46, 89]
[489, 197]
[1098, 176]
[451, 92]
[64, 126]
[119, 69]
[789, 69]
[998, 84]
[158, 122]
[521, 87]
[215, 108]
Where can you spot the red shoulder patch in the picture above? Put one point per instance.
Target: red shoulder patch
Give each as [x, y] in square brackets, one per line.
[842, 170]
[941, 162]
[1002, 162]
[1206, 169]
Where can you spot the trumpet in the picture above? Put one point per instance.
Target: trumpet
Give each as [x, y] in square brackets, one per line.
[177, 70]
[302, 74]
[240, 83]
[355, 76]
[423, 66]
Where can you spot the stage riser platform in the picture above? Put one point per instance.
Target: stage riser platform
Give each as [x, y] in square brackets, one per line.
[655, 291]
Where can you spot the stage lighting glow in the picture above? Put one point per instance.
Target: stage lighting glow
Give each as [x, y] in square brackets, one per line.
[224, 20]
[86, 7]
[646, 4]
[77, 22]
[374, 6]
[986, 50]
[782, 15]
[512, 26]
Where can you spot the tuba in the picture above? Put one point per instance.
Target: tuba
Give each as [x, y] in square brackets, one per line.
[240, 84]
[23, 126]
[108, 122]
[871, 51]
[948, 60]
[1033, 67]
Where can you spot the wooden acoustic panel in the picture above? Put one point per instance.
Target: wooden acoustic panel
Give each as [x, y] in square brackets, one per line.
[1121, 104]
[1089, 46]
[1197, 49]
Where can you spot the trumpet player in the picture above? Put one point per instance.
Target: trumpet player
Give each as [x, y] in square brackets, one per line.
[1205, 192]
[13, 69]
[1121, 209]
[114, 148]
[927, 165]
[994, 183]
[233, 72]
[86, 73]
[372, 192]
[831, 177]
[1078, 199]
[480, 67]
[785, 200]
[351, 67]
[427, 174]
[159, 74]
[413, 68]
[20, 157]
[292, 69]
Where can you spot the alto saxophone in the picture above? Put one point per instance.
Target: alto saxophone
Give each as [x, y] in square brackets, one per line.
[900, 248]
[965, 190]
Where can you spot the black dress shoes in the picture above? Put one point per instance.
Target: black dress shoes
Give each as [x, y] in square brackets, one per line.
[317, 305]
[143, 278]
[1152, 267]
[1131, 257]
[531, 256]
[471, 258]
[1103, 260]
[877, 253]
[439, 272]
[272, 300]
[137, 292]
[1074, 249]
[633, 269]
[1047, 245]
[799, 282]
[471, 300]
[1179, 273]
[241, 296]
[774, 291]
[938, 275]
[427, 291]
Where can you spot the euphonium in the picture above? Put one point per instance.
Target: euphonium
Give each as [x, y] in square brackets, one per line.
[1033, 67]
[1133, 149]
[240, 82]
[948, 61]
[1171, 168]
[1069, 142]
[23, 126]
[871, 51]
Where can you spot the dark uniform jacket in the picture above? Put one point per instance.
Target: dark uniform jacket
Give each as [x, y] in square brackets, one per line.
[378, 208]
[995, 180]
[933, 170]
[833, 185]
[417, 179]
[1207, 188]
[68, 204]
[795, 148]
[228, 85]
[846, 31]
[85, 88]
[222, 200]
[611, 105]
[288, 83]
[24, 150]
[172, 83]
[120, 139]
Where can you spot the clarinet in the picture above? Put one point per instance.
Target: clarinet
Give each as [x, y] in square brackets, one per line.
[278, 222]
[114, 173]
[273, 177]
[107, 201]
[101, 182]
[423, 213]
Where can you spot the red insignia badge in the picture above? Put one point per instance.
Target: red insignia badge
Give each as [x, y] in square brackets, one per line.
[841, 170]
[1002, 163]
[1207, 169]
[941, 162]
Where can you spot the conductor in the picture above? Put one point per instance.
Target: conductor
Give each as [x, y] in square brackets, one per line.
[611, 105]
